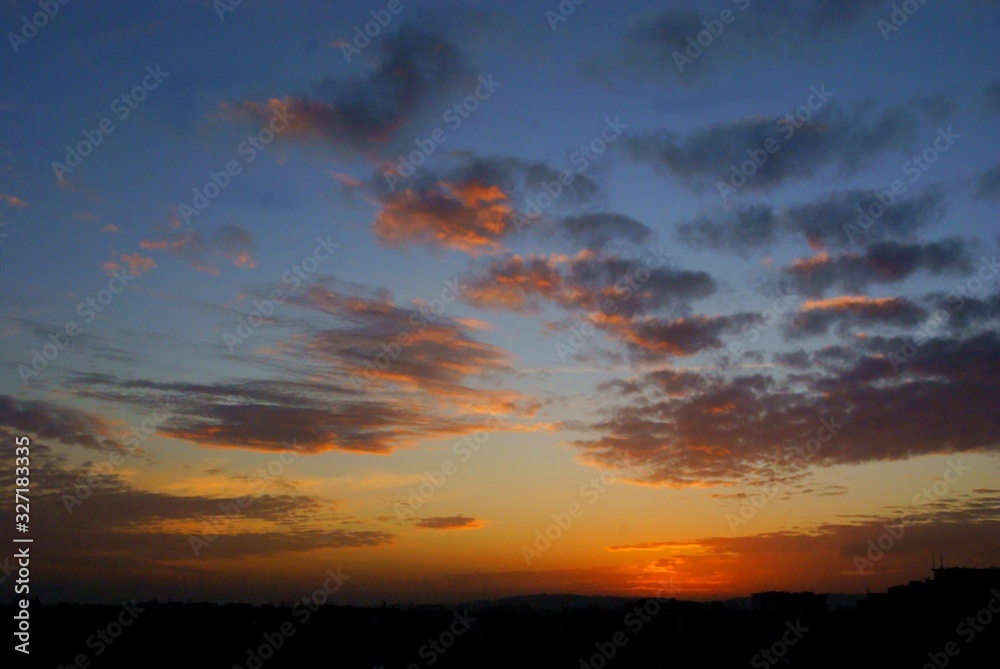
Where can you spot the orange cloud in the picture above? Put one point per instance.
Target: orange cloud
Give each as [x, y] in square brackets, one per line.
[243, 260]
[231, 242]
[360, 114]
[812, 263]
[515, 284]
[846, 302]
[467, 217]
[473, 193]
[681, 336]
[138, 264]
[13, 201]
[848, 312]
[347, 179]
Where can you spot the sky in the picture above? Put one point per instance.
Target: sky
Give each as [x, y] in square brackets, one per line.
[471, 300]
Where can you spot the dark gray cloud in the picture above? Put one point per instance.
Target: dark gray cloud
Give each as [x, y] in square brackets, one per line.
[229, 242]
[833, 140]
[971, 358]
[850, 314]
[449, 523]
[381, 377]
[411, 69]
[686, 428]
[115, 520]
[644, 305]
[743, 229]
[598, 231]
[937, 107]
[654, 339]
[795, 359]
[435, 353]
[48, 421]
[966, 313]
[591, 283]
[754, 31]
[837, 220]
[881, 263]
[265, 417]
[988, 185]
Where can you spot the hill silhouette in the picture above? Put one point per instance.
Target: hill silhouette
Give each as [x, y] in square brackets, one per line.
[945, 621]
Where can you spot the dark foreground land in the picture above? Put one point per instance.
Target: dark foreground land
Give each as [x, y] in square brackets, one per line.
[915, 626]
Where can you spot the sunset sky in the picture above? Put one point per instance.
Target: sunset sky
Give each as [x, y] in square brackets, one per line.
[281, 297]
